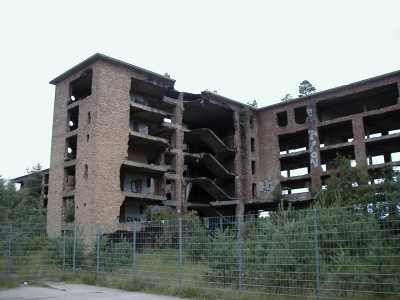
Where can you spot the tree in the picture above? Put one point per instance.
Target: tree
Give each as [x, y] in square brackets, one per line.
[19, 206]
[254, 103]
[287, 98]
[349, 185]
[33, 184]
[25, 205]
[306, 88]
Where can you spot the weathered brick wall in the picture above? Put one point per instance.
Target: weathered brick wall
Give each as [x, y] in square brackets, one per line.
[269, 166]
[359, 140]
[102, 146]
[54, 206]
[178, 161]
[111, 127]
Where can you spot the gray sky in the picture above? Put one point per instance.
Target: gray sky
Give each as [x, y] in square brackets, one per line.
[246, 50]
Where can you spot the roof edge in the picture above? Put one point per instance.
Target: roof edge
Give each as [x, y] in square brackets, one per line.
[99, 56]
[338, 88]
[216, 96]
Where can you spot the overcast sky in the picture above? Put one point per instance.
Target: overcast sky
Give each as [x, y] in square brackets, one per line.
[246, 50]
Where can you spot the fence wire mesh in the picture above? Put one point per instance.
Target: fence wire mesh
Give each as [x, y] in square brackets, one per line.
[338, 253]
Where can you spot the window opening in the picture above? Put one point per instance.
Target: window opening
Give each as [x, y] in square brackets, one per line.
[73, 115]
[86, 172]
[135, 98]
[71, 148]
[300, 115]
[69, 210]
[82, 86]
[251, 121]
[136, 186]
[282, 119]
[69, 179]
[254, 190]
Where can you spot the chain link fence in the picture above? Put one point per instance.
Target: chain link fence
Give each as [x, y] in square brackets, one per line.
[337, 253]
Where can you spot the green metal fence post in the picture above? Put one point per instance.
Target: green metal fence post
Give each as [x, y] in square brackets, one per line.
[74, 251]
[240, 254]
[64, 246]
[9, 250]
[98, 252]
[317, 263]
[180, 254]
[134, 247]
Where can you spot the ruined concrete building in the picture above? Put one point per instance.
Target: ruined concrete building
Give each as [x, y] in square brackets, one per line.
[125, 140]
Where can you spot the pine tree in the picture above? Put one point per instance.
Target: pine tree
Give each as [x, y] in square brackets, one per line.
[306, 88]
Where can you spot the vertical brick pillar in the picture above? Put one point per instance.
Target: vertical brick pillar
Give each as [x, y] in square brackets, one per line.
[313, 145]
[179, 159]
[242, 158]
[359, 140]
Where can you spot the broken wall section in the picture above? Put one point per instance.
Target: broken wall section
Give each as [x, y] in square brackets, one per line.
[209, 159]
[150, 156]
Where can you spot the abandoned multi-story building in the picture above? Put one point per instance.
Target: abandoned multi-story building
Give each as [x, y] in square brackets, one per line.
[124, 140]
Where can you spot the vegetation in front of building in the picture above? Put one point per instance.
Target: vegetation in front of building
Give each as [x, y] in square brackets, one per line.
[356, 223]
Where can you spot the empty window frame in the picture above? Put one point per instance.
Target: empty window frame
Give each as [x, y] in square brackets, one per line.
[336, 133]
[71, 148]
[69, 210]
[81, 87]
[368, 100]
[293, 142]
[69, 178]
[384, 124]
[251, 122]
[86, 172]
[73, 117]
[135, 98]
[252, 145]
[282, 119]
[300, 115]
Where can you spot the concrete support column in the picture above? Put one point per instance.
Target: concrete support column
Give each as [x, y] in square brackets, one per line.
[313, 146]
[179, 160]
[359, 140]
[242, 159]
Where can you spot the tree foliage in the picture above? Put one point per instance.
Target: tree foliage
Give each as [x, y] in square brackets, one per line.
[254, 103]
[33, 184]
[287, 97]
[349, 185]
[306, 88]
[24, 205]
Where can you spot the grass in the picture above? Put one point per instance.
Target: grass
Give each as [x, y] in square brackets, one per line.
[155, 272]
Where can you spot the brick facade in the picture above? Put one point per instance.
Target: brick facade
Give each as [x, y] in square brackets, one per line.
[130, 142]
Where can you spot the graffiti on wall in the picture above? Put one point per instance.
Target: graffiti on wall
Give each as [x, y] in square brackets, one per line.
[130, 219]
[313, 136]
[268, 185]
[311, 115]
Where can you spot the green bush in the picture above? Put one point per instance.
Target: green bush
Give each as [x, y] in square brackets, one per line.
[220, 256]
[116, 255]
[194, 237]
[60, 252]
